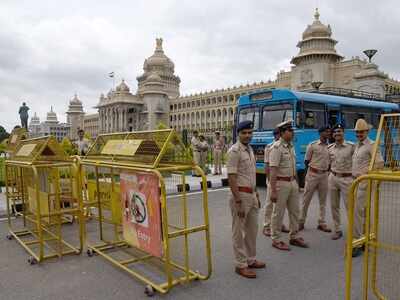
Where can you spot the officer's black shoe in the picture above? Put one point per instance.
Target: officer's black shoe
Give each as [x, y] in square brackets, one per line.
[357, 252]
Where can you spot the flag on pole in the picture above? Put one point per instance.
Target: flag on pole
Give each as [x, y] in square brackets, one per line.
[111, 74]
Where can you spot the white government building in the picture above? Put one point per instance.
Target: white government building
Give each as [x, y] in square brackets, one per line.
[157, 100]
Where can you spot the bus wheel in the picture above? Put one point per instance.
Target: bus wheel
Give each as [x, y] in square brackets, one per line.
[301, 175]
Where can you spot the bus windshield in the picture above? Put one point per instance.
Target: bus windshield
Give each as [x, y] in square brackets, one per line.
[272, 115]
[251, 114]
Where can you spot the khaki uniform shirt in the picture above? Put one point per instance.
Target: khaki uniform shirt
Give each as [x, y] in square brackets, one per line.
[318, 155]
[219, 144]
[267, 151]
[241, 162]
[283, 156]
[340, 156]
[362, 157]
[195, 144]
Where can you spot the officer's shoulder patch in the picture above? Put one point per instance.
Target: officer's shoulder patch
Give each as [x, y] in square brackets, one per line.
[349, 143]
[234, 148]
[276, 144]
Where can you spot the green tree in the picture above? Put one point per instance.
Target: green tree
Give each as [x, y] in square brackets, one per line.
[3, 134]
[67, 146]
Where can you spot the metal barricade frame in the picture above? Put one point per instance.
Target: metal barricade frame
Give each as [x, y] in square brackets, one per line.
[158, 166]
[42, 224]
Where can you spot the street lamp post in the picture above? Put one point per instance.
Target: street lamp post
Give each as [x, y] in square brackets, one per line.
[370, 53]
[316, 85]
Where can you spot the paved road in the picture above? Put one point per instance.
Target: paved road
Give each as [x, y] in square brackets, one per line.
[309, 274]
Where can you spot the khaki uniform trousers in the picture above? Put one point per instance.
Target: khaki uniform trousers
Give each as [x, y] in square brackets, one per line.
[359, 209]
[315, 182]
[338, 188]
[203, 160]
[269, 207]
[288, 197]
[244, 230]
[217, 161]
[196, 159]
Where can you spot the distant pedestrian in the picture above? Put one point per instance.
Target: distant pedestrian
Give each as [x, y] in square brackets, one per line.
[244, 202]
[82, 143]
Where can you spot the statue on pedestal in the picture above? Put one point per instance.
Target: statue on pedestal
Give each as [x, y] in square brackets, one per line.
[23, 114]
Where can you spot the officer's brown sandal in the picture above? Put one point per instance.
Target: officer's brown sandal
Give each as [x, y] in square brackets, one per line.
[298, 242]
[245, 272]
[280, 245]
[324, 228]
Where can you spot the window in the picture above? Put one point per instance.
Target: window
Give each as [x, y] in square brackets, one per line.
[275, 114]
[313, 115]
[252, 114]
[351, 114]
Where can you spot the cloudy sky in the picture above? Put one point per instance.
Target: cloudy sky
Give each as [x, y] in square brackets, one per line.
[51, 49]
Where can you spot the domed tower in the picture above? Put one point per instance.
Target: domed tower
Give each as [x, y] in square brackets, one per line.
[34, 126]
[160, 64]
[51, 118]
[316, 57]
[156, 105]
[75, 115]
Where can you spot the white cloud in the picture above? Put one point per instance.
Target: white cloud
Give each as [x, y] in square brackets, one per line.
[52, 49]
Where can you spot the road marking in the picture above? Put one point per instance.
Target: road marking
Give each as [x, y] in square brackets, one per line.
[199, 192]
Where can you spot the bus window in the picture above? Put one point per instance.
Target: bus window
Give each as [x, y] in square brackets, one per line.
[314, 115]
[351, 114]
[333, 117]
[275, 114]
[252, 114]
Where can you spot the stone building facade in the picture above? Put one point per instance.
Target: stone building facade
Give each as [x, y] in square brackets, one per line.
[75, 115]
[316, 62]
[91, 124]
[121, 110]
[49, 127]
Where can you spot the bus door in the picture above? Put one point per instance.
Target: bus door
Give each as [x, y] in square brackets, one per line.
[333, 114]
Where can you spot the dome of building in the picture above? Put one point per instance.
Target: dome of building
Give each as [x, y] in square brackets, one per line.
[153, 77]
[110, 94]
[317, 29]
[75, 100]
[35, 120]
[158, 61]
[123, 87]
[51, 116]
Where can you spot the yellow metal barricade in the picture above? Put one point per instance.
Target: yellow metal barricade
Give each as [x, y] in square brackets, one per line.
[14, 179]
[47, 185]
[381, 239]
[139, 228]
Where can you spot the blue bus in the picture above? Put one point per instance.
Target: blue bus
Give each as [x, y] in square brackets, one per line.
[309, 111]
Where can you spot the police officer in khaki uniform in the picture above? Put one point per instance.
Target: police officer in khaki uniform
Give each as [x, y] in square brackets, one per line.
[317, 163]
[244, 202]
[284, 188]
[361, 160]
[203, 150]
[340, 178]
[269, 205]
[195, 141]
[218, 149]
